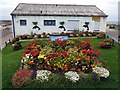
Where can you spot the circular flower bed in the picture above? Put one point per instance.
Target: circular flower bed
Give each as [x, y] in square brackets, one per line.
[64, 58]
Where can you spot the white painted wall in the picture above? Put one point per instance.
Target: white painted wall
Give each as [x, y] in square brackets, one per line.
[19, 30]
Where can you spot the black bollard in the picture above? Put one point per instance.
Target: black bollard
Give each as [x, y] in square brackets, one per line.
[107, 36]
[6, 43]
[113, 42]
[9, 41]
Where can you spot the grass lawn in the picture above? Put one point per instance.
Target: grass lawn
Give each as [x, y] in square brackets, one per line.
[11, 63]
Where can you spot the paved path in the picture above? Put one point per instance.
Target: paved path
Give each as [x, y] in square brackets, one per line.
[113, 33]
[6, 34]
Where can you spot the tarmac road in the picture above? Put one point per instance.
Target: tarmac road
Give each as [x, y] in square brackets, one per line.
[113, 33]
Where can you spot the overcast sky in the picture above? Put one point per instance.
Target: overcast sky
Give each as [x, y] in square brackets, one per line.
[110, 7]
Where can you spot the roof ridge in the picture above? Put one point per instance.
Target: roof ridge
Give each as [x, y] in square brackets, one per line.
[57, 4]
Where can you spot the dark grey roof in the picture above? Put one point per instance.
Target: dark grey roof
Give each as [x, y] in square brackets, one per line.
[57, 10]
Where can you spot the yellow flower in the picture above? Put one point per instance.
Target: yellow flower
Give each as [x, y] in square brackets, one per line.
[83, 68]
[93, 66]
[41, 56]
[48, 63]
[44, 57]
[81, 53]
[60, 66]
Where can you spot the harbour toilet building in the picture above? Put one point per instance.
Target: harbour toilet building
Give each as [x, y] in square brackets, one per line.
[49, 18]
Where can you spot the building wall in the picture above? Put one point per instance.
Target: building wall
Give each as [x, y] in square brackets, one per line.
[19, 30]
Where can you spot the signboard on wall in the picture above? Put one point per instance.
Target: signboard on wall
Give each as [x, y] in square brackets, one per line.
[53, 38]
[96, 18]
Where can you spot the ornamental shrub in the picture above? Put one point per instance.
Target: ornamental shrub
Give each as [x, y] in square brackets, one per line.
[15, 39]
[21, 77]
[101, 35]
[102, 44]
[17, 45]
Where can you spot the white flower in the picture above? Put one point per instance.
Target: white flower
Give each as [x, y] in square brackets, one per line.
[27, 55]
[101, 71]
[71, 34]
[76, 34]
[23, 60]
[76, 63]
[84, 35]
[42, 75]
[73, 76]
[48, 35]
[89, 34]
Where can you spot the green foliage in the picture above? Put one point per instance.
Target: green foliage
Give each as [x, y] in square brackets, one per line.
[101, 35]
[11, 63]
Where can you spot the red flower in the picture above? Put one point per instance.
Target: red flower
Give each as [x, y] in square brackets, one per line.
[88, 41]
[82, 44]
[64, 53]
[102, 44]
[55, 54]
[47, 59]
[34, 54]
[31, 62]
[78, 69]
[97, 52]
[27, 51]
[89, 52]
[58, 40]
[32, 51]
[64, 44]
[92, 47]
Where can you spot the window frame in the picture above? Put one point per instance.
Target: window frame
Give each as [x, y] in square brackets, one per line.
[23, 24]
[49, 22]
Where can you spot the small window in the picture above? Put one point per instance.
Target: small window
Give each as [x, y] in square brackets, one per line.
[23, 22]
[49, 22]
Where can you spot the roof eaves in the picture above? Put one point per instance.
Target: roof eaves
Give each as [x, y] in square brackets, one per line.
[59, 15]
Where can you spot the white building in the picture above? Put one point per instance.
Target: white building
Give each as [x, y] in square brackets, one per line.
[39, 18]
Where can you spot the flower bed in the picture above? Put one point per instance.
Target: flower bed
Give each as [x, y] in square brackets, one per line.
[47, 35]
[16, 44]
[65, 58]
[107, 43]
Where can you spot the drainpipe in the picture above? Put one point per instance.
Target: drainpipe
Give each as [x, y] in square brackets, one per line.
[13, 26]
